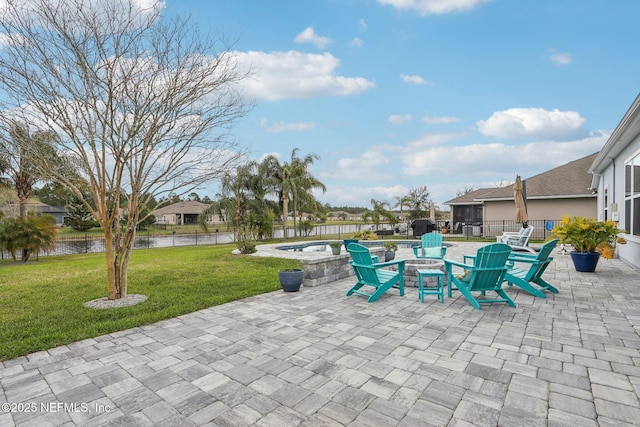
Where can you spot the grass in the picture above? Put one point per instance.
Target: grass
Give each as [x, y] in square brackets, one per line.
[41, 302]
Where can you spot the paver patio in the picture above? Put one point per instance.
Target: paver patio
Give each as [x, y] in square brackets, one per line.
[320, 358]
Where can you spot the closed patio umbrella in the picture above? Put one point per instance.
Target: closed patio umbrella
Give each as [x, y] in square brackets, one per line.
[521, 207]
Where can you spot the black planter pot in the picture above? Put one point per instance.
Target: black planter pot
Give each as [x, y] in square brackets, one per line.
[389, 256]
[290, 280]
[585, 261]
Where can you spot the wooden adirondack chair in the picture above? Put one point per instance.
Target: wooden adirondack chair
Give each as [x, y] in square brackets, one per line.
[485, 274]
[430, 246]
[524, 277]
[374, 274]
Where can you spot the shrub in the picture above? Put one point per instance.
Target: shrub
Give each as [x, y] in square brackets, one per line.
[589, 235]
[28, 235]
[365, 235]
[391, 246]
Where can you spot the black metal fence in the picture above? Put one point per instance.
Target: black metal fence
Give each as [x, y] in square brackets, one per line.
[89, 243]
[491, 229]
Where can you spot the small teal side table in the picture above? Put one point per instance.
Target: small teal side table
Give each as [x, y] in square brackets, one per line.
[438, 290]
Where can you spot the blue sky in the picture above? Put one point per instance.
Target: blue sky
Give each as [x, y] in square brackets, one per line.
[395, 94]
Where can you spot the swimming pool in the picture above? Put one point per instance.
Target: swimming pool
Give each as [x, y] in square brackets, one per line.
[324, 246]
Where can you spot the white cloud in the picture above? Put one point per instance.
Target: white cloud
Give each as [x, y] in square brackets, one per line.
[368, 164]
[434, 7]
[532, 122]
[309, 36]
[560, 58]
[356, 42]
[441, 162]
[433, 139]
[363, 24]
[68, 8]
[399, 119]
[484, 161]
[361, 195]
[286, 127]
[295, 75]
[413, 80]
[439, 120]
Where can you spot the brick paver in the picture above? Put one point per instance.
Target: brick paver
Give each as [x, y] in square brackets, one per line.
[318, 357]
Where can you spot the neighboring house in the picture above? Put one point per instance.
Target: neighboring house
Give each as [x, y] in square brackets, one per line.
[39, 208]
[338, 215]
[616, 178]
[564, 190]
[183, 213]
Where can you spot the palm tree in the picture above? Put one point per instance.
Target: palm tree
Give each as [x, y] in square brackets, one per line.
[379, 211]
[401, 202]
[304, 184]
[233, 197]
[17, 159]
[291, 181]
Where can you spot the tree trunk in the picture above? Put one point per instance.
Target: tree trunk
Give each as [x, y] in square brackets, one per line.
[118, 253]
[285, 214]
[110, 253]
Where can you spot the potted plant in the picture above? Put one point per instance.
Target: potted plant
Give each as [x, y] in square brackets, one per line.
[390, 250]
[335, 247]
[291, 279]
[590, 238]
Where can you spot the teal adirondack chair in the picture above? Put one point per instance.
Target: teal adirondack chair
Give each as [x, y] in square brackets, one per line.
[431, 246]
[526, 277]
[374, 274]
[485, 274]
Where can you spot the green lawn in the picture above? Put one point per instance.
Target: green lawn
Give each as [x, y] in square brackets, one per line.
[41, 302]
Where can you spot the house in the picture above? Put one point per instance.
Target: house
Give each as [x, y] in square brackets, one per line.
[57, 212]
[564, 190]
[183, 213]
[616, 179]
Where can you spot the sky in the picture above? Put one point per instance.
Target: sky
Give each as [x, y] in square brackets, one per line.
[450, 94]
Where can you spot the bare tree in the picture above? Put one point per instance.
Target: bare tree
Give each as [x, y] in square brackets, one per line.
[470, 188]
[142, 104]
[418, 201]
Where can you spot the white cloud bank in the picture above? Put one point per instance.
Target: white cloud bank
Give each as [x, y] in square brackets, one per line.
[482, 161]
[280, 127]
[532, 122]
[296, 75]
[434, 7]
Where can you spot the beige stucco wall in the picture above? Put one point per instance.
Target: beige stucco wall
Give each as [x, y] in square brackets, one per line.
[553, 209]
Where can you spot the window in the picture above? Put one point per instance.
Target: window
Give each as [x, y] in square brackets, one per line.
[632, 195]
